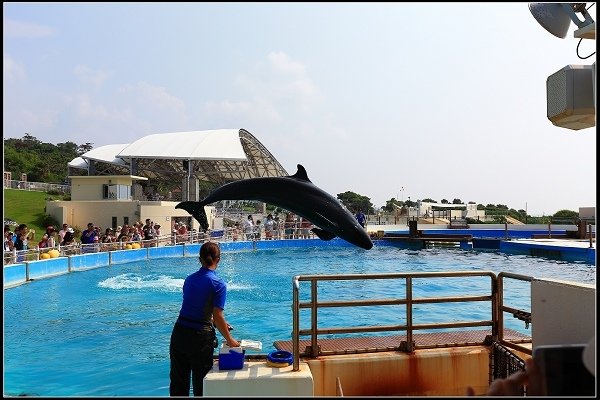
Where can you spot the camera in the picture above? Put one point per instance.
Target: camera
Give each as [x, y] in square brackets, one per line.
[563, 370]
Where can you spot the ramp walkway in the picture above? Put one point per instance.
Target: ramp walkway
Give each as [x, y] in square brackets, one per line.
[513, 221]
[352, 345]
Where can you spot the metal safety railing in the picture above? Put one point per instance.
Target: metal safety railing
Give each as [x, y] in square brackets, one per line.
[35, 253]
[314, 304]
[228, 234]
[522, 315]
[504, 363]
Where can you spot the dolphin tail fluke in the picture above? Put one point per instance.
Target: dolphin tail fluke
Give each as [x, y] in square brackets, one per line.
[323, 235]
[196, 210]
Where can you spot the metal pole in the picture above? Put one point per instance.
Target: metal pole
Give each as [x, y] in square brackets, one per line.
[590, 229]
[296, 323]
[313, 322]
[409, 322]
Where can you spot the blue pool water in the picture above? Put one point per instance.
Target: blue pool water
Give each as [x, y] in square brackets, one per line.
[105, 331]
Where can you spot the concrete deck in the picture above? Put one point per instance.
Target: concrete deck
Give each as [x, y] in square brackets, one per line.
[511, 239]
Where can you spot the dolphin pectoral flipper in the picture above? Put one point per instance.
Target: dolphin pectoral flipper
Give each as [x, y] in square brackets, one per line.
[196, 209]
[323, 235]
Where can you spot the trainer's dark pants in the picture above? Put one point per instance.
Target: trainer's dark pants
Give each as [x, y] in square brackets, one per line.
[190, 351]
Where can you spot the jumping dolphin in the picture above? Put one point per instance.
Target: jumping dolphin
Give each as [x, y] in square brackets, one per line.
[295, 193]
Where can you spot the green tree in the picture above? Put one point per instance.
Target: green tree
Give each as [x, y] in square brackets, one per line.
[565, 216]
[84, 148]
[355, 202]
[389, 205]
[42, 162]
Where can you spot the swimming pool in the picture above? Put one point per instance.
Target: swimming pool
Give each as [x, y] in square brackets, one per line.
[105, 331]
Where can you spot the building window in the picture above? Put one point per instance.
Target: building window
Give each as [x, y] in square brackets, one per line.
[116, 192]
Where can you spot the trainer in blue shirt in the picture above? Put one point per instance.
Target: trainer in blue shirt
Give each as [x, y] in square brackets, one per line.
[193, 339]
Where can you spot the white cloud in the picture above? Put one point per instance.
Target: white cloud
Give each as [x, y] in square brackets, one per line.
[125, 115]
[90, 76]
[280, 80]
[11, 69]
[292, 72]
[153, 97]
[20, 29]
[33, 121]
[86, 109]
[226, 110]
[275, 89]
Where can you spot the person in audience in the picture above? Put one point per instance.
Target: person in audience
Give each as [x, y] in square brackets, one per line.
[22, 234]
[182, 232]
[61, 233]
[124, 235]
[9, 244]
[248, 228]
[51, 232]
[43, 244]
[257, 230]
[135, 235]
[289, 225]
[149, 233]
[305, 226]
[87, 236]
[276, 227]
[69, 237]
[269, 227]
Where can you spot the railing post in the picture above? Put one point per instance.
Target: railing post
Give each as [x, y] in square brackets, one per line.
[590, 232]
[296, 323]
[313, 318]
[497, 315]
[409, 324]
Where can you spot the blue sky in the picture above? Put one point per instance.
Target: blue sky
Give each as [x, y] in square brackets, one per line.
[442, 100]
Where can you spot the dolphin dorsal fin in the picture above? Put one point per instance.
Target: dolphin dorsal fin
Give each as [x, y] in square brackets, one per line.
[301, 174]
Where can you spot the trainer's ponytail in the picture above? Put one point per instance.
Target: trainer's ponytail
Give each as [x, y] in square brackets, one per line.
[209, 253]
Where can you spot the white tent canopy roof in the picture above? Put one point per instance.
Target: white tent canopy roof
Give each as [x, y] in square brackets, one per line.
[220, 144]
[79, 163]
[216, 156]
[107, 154]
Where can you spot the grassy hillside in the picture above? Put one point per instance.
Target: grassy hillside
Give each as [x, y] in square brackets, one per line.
[25, 207]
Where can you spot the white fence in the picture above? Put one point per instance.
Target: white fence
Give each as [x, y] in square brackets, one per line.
[36, 186]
